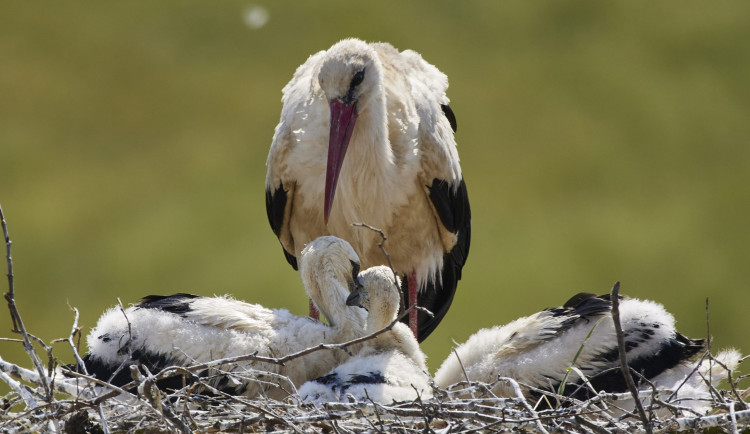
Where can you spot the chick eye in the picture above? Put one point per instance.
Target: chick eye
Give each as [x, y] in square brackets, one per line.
[357, 79]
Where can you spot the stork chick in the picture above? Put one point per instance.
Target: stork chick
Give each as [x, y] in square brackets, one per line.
[537, 351]
[185, 329]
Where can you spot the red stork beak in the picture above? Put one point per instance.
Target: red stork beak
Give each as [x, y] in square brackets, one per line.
[343, 117]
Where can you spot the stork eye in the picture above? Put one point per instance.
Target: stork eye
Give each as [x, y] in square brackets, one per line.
[357, 79]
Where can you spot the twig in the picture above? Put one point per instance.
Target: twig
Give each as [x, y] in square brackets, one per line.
[522, 400]
[16, 316]
[250, 405]
[73, 331]
[623, 359]
[377, 413]
[466, 376]
[115, 391]
[687, 377]
[696, 423]
[708, 343]
[733, 418]
[153, 395]
[103, 419]
[30, 376]
[676, 409]
[383, 239]
[591, 425]
[20, 389]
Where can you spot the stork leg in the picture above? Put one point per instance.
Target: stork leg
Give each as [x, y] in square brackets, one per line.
[314, 314]
[412, 301]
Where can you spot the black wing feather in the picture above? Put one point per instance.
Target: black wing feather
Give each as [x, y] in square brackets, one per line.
[452, 207]
[672, 352]
[176, 303]
[275, 207]
[448, 112]
[119, 374]
[676, 350]
[590, 305]
[372, 377]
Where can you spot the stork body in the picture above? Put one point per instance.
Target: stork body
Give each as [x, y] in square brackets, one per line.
[184, 329]
[537, 350]
[389, 367]
[371, 126]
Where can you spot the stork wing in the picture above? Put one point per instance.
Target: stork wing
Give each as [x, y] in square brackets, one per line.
[443, 184]
[652, 345]
[280, 184]
[450, 202]
[278, 207]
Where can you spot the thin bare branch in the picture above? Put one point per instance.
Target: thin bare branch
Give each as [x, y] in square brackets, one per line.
[383, 239]
[18, 325]
[615, 297]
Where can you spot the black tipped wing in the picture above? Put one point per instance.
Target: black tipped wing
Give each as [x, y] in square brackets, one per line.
[448, 112]
[451, 203]
[578, 298]
[670, 354]
[585, 304]
[176, 303]
[119, 374]
[275, 208]
[649, 364]
[372, 377]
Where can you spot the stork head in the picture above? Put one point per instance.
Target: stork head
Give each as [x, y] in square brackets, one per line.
[349, 71]
[378, 294]
[328, 258]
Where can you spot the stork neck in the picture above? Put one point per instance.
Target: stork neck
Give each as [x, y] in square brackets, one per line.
[369, 140]
[329, 295]
[376, 321]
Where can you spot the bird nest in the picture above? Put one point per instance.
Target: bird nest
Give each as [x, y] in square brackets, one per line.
[88, 405]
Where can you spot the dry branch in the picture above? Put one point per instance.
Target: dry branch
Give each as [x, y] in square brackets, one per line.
[623, 359]
[18, 326]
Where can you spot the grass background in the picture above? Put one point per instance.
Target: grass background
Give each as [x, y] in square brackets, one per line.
[600, 141]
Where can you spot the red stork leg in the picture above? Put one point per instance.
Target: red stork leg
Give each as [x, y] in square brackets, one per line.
[314, 314]
[413, 289]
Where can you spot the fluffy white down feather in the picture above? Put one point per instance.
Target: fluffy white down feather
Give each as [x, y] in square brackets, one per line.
[390, 367]
[220, 327]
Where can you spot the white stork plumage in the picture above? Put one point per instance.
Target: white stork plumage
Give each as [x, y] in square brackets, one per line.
[537, 350]
[389, 367]
[372, 126]
[184, 329]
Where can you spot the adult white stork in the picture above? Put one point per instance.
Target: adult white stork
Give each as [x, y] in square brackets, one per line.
[538, 350]
[372, 126]
[389, 367]
[184, 329]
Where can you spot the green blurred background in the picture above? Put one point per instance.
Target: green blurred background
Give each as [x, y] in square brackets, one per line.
[600, 141]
